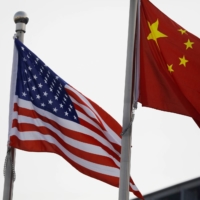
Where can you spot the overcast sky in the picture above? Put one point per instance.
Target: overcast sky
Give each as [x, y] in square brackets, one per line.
[84, 42]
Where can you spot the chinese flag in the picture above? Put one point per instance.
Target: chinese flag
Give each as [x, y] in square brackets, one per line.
[169, 64]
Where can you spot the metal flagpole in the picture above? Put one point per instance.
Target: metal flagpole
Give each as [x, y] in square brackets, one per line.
[127, 112]
[21, 20]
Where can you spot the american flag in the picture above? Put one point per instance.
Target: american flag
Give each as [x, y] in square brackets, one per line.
[49, 115]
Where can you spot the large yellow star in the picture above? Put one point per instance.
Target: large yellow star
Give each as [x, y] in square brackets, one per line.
[189, 44]
[183, 61]
[170, 68]
[155, 33]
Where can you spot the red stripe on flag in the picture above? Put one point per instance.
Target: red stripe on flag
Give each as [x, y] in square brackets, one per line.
[99, 159]
[114, 125]
[37, 145]
[69, 133]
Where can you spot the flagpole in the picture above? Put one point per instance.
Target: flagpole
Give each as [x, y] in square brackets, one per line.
[21, 19]
[127, 112]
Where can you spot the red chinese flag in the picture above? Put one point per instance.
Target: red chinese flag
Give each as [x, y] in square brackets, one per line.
[169, 64]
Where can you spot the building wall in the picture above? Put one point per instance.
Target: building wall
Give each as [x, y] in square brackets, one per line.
[189, 190]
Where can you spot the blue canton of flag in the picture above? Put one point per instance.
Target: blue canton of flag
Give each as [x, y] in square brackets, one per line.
[37, 83]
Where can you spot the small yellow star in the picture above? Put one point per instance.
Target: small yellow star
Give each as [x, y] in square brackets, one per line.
[189, 44]
[155, 33]
[183, 61]
[182, 31]
[170, 68]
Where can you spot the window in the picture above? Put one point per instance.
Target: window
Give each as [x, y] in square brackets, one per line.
[176, 196]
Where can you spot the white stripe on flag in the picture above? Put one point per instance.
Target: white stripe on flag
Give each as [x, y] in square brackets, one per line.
[112, 135]
[94, 149]
[28, 136]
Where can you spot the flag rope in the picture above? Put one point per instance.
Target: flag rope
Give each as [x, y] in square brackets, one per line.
[5, 164]
[131, 122]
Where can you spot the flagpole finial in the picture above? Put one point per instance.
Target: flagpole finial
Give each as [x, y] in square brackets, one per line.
[21, 16]
[21, 19]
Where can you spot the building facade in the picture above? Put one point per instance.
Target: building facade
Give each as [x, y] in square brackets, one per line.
[189, 190]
